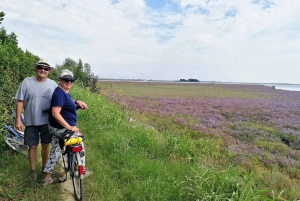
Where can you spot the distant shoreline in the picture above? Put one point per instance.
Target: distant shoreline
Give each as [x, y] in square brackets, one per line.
[207, 82]
[280, 86]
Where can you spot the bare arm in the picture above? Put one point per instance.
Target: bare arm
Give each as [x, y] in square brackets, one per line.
[81, 104]
[57, 116]
[19, 108]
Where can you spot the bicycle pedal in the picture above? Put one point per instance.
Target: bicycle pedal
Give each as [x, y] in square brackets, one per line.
[62, 180]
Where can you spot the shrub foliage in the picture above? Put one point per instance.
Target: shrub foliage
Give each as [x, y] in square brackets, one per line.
[16, 64]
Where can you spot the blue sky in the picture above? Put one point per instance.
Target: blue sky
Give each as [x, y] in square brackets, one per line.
[156, 4]
[211, 40]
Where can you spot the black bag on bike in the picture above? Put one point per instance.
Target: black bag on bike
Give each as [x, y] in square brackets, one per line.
[65, 136]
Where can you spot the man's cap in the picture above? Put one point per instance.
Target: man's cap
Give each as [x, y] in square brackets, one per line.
[43, 62]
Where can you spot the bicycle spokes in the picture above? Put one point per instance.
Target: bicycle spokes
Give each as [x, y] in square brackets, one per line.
[77, 176]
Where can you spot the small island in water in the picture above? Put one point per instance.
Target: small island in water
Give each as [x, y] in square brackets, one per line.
[189, 80]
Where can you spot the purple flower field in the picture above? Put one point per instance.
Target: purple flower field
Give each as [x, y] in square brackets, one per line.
[252, 119]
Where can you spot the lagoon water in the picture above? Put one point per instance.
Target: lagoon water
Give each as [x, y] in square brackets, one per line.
[280, 86]
[288, 87]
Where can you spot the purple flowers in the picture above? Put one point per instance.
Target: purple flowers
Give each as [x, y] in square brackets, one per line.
[245, 112]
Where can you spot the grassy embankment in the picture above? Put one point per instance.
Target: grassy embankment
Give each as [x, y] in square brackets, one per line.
[130, 162]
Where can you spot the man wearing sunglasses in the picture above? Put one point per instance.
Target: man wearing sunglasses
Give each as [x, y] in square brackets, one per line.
[34, 96]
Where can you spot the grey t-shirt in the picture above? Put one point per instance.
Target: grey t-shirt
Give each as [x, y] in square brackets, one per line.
[37, 97]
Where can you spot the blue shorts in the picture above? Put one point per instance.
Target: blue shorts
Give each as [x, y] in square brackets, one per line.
[33, 134]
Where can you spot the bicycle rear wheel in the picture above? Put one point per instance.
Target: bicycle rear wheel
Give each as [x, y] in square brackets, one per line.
[15, 144]
[77, 179]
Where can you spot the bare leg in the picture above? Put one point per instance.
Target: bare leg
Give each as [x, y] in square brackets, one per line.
[47, 175]
[32, 152]
[45, 153]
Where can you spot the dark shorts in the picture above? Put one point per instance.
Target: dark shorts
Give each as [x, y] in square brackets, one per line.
[33, 134]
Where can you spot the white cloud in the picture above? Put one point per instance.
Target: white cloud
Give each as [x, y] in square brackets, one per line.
[225, 40]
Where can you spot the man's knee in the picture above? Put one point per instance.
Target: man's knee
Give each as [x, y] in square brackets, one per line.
[33, 147]
[45, 146]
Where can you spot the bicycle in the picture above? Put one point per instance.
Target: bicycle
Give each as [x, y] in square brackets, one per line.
[73, 147]
[13, 119]
[14, 138]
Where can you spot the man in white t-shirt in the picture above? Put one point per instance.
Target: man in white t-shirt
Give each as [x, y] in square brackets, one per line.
[34, 96]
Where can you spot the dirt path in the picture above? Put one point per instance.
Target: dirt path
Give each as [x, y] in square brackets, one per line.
[68, 192]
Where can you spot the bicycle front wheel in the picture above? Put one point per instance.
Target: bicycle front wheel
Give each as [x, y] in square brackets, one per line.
[16, 145]
[77, 179]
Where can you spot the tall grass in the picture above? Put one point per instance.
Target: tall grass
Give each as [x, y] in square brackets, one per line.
[132, 162]
[15, 183]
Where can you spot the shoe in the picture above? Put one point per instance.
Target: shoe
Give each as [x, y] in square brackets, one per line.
[49, 181]
[33, 175]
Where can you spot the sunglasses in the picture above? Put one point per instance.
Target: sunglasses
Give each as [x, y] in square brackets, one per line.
[42, 68]
[68, 80]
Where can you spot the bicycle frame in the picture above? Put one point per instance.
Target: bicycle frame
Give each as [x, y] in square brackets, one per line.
[16, 134]
[14, 140]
